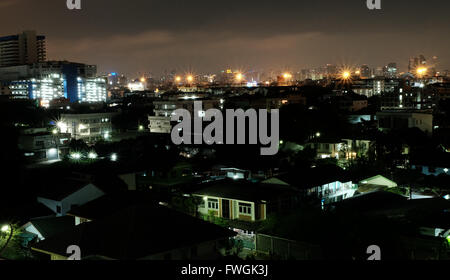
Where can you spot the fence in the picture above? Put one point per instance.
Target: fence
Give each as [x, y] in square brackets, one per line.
[286, 249]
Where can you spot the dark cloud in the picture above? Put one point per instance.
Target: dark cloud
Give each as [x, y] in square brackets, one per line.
[150, 35]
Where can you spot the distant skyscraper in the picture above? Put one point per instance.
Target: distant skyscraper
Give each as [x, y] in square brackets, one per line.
[25, 48]
[379, 72]
[331, 70]
[392, 70]
[416, 62]
[365, 72]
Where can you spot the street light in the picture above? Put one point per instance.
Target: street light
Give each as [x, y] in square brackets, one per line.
[5, 228]
[190, 78]
[114, 157]
[287, 76]
[421, 71]
[76, 156]
[239, 77]
[346, 75]
[92, 155]
[62, 126]
[106, 135]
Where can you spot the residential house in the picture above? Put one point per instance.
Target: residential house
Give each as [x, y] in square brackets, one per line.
[140, 232]
[244, 204]
[375, 183]
[42, 228]
[400, 119]
[160, 180]
[328, 183]
[62, 196]
[104, 206]
[327, 148]
[244, 200]
[354, 148]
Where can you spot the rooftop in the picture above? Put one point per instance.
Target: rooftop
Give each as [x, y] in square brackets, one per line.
[244, 190]
[135, 232]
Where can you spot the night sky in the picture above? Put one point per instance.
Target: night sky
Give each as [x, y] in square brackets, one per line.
[155, 35]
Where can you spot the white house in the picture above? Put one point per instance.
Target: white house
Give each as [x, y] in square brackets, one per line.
[46, 227]
[61, 200]
[380, 181]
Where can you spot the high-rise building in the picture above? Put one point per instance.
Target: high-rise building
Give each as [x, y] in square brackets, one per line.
[47, 81]
[332, 70]
[365, 72]
[416, 62]
[25, 48]
[392, 70]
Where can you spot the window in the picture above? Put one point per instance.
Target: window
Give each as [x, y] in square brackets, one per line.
[245, 208]
[40, 144]
[213, 203]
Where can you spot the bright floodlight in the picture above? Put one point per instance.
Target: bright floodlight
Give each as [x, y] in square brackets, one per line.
[114, 157]
[346, 75]
[239, 76]
[421, 71]
[5, 228]
[178, 79]
[287, 76]
[62, 126]
[190, 78]
[75, 156]
[92, 155]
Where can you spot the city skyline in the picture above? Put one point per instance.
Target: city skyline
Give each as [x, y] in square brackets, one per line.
[205, 37]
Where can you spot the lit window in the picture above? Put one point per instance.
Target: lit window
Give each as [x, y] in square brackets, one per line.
[245, 208]
[213, 203]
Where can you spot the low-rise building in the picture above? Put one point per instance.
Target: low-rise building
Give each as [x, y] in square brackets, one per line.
[62, 197]
[244, 200]
[39, 144]
[89, 127]
[401, 119]
[161, 121]
[143, 232]
[354, 148]
[327, 148]
[325, 184]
